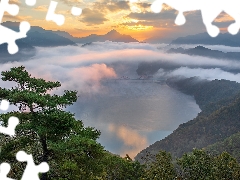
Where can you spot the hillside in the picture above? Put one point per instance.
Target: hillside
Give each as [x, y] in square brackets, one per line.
[203, 38]
[40, 37]
[205, 52]
[36, 37]
[25, 51]
[210, 126]
[230, 145]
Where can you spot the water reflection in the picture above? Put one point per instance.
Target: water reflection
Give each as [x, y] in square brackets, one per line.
[133, 115]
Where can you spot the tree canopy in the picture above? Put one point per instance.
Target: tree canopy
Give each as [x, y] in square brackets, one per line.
[45, 127]
[53, 135]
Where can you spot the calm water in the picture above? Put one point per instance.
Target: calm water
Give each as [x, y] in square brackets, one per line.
[134, 114]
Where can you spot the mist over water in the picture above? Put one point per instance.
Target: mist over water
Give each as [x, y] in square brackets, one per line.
[133, 115]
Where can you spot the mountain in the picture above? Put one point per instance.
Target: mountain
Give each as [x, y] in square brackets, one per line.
[204, 38]
[219, 119]
[40, 37]
[156, 40]
[25, 52]
[36, 37]
[113, 36]
[205, 52]
[230, 145]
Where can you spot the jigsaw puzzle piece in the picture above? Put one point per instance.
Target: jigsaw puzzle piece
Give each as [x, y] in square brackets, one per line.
[10, 130]
[235, 14]
[9, 36]
[52, 16]
[4, 170]
[4, 105]
[156, 6]
[233, 28]
[180, 19]
[12, 9]
[30, 2]
[31, 171]
[76, 11]
[208, 16]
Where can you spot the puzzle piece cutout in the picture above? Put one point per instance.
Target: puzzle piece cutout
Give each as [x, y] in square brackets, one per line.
[7, 35]
[31, 171]
[30, 2]
[4, 170]
[76, 11]
[12, 121]
[59, 18]
[10, 130]
[209, 9]
[4, 105]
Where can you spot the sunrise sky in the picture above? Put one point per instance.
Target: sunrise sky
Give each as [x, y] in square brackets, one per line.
[101, 16]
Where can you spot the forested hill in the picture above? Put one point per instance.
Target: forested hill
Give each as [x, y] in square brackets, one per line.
[230, 145]
[209, 95]
[210, 126]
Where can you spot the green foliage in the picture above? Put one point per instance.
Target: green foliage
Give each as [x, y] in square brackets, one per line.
[230, 145]
[219, 119]
[46, 130]
[118, 168]
[197, 165]
[53, 135]
[200, 165]
[161, 169]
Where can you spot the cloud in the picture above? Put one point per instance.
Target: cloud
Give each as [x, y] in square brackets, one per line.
[133, 141]
[15, 2]
[92, 17]
[110, 56]
[132, 110]
[87, 79]
[42, 8]
[111, 5]
[209, 74]
[16, 18]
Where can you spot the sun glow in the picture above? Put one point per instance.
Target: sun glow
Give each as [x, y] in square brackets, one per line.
[139, 27]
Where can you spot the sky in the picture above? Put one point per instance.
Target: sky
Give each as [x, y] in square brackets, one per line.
[101, 16]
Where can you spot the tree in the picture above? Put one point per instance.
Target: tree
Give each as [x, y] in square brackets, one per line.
[226, 167]
[201, 165]
[43, 122]
[197, 165]
[160, 169]
[118, 168]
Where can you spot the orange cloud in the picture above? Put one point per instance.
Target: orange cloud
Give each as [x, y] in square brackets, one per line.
[130, 138]
[43, 8]
[223, 17]
[88, 78]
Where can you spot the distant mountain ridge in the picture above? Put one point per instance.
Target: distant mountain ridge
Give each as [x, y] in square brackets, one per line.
[39, 37]
[205, 52]
[112, 35]
[203, 38]
[36, 37]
